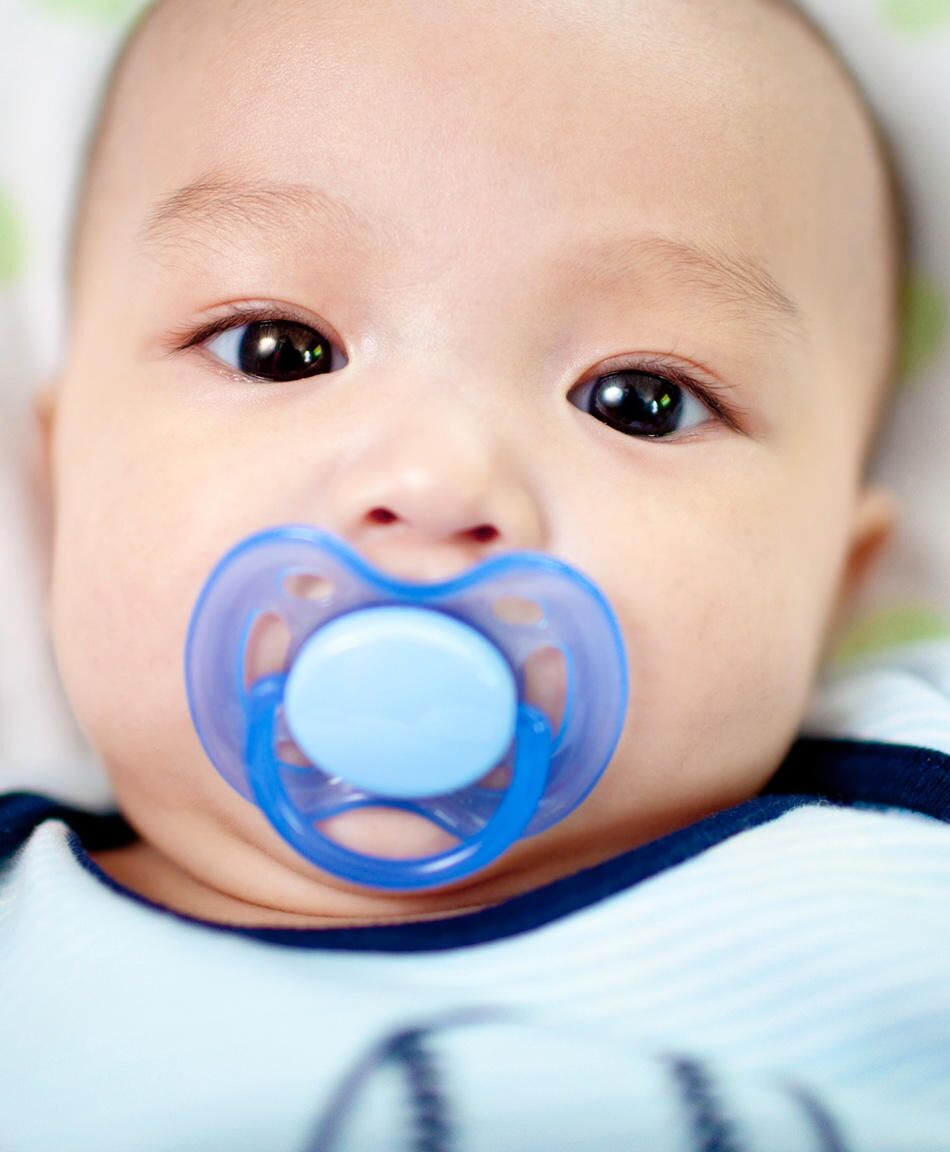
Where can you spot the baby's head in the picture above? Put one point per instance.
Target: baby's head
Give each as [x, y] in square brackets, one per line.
[615, 282]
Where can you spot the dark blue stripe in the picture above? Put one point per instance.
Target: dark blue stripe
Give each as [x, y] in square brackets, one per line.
[827, 1131]
[850, 771]
[431, 1130]
[430, 1111]
[711, 1130]
[519, 914]
[427, 1097]
[815, 770]
[21, 812]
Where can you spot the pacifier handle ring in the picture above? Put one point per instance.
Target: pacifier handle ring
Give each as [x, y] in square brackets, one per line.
[532, 760]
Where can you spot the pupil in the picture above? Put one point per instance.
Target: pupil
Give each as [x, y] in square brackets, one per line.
[637, 402]
[281, 350]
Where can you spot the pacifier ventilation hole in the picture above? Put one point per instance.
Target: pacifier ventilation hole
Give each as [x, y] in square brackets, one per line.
[267, 649]
[518, 610]
[288, 751]
[545, 683]
[386, 833]
[499, 777]
[304, 585]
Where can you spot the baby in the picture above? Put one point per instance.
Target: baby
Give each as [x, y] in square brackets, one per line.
[367, 266]
[477, 214]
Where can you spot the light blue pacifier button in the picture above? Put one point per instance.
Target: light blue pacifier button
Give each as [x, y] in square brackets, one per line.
[401, 701]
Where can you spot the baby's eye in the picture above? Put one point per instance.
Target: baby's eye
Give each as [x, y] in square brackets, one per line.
[641, 403]
[275, 350]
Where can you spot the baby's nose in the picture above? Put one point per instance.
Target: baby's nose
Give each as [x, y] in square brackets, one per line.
[428, 503]
[482, 533]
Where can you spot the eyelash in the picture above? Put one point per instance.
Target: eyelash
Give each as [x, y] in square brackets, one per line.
[706, 390]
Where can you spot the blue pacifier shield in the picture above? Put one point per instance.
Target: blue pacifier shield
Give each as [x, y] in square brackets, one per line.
[485, 707]
[401, 702]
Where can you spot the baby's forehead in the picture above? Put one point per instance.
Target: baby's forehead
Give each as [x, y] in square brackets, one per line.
[176, 33]
[171, 40]
[514, 48]
[722, 108]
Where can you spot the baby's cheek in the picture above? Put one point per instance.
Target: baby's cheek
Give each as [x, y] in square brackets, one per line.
[114, 628]
[124, 551]
[721, 642]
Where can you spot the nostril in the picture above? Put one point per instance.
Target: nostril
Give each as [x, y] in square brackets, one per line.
[381, 516]
[484, 533]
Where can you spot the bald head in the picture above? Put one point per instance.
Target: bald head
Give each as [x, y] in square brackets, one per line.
[606, 281]
[133, 86]
[153, 21]
[895, 223]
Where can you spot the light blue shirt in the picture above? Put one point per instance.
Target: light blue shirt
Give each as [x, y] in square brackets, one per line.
[772, 978]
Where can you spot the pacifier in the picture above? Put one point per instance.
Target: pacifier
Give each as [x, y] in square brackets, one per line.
[394, 696]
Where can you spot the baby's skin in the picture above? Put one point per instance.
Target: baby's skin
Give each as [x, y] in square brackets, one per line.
[470, 215]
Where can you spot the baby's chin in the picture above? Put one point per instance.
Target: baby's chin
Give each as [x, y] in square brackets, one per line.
[387, 833]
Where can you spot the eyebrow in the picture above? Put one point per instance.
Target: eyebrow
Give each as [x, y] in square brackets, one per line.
[731, 280]
[216, 203]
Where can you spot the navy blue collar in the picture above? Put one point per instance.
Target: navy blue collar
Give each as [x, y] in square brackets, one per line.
[843, 772]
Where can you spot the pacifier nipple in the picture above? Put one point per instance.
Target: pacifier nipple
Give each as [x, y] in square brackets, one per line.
[399, 702]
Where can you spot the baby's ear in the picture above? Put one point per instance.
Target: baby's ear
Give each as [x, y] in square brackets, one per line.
[876, 517]
[875, 520]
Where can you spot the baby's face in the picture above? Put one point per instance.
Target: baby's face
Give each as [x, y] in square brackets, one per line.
[590, 280]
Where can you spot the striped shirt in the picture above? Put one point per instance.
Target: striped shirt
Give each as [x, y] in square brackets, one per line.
[773, 978]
